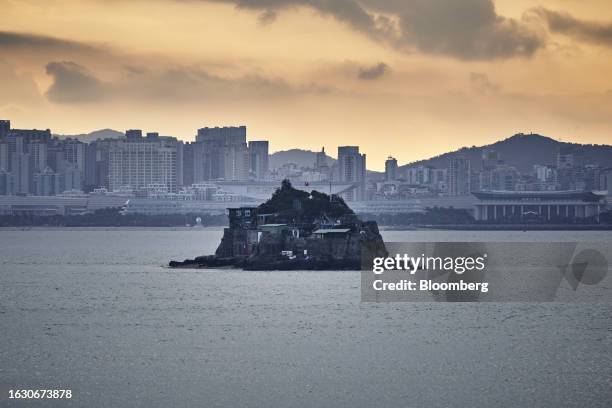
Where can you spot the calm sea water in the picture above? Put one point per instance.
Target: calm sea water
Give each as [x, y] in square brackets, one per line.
[94, 311]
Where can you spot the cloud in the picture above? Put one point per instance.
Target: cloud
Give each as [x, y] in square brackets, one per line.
[373, 72]
[19, 88]
[73, 83]
[481, 83]
[564, 23]
[267, 17]
[468, 29]
[14, 41]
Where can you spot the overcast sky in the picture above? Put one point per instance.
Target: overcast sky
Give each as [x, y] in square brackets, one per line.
[412, 78]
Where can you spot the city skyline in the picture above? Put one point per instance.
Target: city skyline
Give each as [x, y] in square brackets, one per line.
[373, 167]
[364, 72]
[524, 177]
[38, 162]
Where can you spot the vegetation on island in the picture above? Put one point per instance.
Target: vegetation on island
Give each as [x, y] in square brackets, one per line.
[292, 205]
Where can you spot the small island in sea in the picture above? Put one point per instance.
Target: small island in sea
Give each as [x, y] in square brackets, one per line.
[294, 230]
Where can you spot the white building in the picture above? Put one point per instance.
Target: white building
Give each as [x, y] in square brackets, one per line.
[139, 163]
[538, 205]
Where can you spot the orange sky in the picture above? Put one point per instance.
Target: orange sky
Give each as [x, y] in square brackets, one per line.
[412, 78]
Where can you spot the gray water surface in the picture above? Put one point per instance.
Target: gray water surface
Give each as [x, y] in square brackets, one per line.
[94, 311]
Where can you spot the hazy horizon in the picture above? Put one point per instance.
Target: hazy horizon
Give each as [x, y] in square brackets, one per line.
[413, 79]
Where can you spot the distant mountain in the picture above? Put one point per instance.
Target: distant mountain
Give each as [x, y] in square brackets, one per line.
[302, 158]
[95, 135]
[523, 151]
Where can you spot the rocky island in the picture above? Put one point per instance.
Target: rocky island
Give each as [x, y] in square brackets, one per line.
[294, 230]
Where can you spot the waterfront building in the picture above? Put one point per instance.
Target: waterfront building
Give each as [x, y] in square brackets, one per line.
[538, 205]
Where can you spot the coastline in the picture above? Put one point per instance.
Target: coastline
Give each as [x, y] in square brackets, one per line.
[416, 228]
[519, 227]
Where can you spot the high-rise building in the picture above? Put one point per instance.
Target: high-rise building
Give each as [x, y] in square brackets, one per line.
[504, 178]
[321, 160]
[545, 173]
[22, 171]
[352, 169]
[5, 127]
[490, 159]
[258, 159]
[28, 135]
[439, 180]
[419, 174]
[459, 175]
[139, 163]
[22, 151]
[322, 166]
[71, 178]
[390, 169]
[133, 134]
[605, 180]
[189, 163]
[236, 162]
[225, 135]
[75, 153]
[47, 183]
[38, 155]
[97, 163]
[7, 183]
[565, 157]
[4, 156]
[219, 144]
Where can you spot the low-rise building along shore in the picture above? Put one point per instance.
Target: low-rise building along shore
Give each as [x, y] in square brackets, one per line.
[543, 205]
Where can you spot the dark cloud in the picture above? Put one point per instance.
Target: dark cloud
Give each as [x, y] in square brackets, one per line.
[13, 41]
[373, 72]
[565, 23]
[267, 17]
[467, 29]
[73, 83]
[347, 11]
[481, 83]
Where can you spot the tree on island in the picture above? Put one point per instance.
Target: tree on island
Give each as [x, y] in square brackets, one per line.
[292, 205]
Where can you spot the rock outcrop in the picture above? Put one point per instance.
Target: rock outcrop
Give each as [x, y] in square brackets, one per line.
[294, 230]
